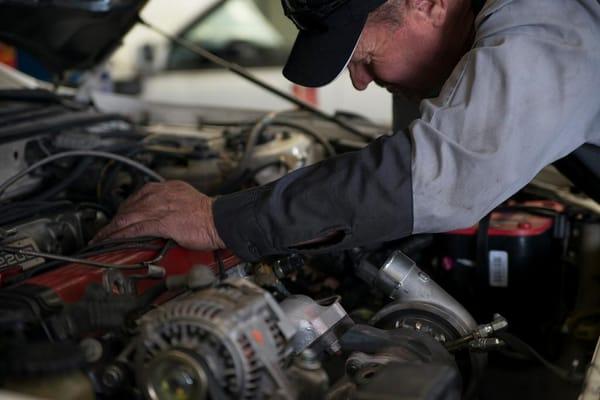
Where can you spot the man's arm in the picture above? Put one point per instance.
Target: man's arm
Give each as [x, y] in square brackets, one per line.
[525, 96]
[514, 104]
[350, 200]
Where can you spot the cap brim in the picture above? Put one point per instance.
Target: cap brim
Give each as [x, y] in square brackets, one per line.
[318, 58]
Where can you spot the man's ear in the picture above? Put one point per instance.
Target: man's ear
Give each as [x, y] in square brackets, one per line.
[433, 11]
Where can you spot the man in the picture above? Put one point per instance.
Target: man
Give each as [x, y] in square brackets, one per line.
[522, 89]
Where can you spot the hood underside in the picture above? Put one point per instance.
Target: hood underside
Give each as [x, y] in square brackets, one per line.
[67, 34]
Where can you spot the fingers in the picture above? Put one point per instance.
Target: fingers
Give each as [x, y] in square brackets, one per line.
[140, 198]
[149, 203]
[119, 222]
[173, 210]
[145, 190]
[139, 229]
[156, 196]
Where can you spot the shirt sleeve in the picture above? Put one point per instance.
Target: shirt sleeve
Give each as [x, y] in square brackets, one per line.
[522, 98]
[357, 198]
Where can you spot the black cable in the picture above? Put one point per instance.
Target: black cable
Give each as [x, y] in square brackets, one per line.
[31, 96]
[537, 211]
[523, 348]
[482, 244]
[253, 138]
[259, 128]
[110, 177]
[40, 269]
[36, 112]
[95, 206]
[10, 207]
[57, 124]
[69, 259]
[66, 182]
[220, 264]
[79, 153]
[11, 215]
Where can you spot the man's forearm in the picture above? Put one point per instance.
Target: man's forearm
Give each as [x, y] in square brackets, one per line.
[351, 200]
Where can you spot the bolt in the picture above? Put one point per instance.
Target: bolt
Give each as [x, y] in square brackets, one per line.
[286, 266]
[308, 355]
[200, 277]
[92, 349]
[113, 376]
[308, 360]
[352, 367]
[335, 347]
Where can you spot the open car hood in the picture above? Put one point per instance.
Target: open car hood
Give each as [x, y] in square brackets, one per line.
[67, 34]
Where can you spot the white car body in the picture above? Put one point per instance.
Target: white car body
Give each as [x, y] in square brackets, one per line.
[217, 87]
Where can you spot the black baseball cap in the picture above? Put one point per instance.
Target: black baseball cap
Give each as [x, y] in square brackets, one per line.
[328, 33]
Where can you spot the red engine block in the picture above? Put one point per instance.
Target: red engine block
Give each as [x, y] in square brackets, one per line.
[69, 282]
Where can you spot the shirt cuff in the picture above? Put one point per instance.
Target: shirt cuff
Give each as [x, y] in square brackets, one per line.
[237, 225]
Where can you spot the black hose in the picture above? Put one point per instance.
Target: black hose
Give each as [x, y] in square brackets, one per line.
[10, 215]
[525, 349]
[31, 96]
[110, 313]
[57, 123]
[66, 182]
[36, 112]
[110, 177]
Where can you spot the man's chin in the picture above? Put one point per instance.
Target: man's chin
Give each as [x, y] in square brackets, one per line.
[415, 95]
[410, 94]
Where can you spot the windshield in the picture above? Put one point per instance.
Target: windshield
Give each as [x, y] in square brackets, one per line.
[252, 33]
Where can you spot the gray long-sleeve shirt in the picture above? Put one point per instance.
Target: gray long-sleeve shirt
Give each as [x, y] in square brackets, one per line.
[525, 95]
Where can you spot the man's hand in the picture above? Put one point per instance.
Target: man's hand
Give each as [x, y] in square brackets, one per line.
[171, 210]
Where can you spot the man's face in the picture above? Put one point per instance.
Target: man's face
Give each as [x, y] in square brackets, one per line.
[412, 58]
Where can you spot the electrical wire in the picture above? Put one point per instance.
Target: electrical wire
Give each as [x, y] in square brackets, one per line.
[79, 260]
[108, 179]
[80, 153]
[68, 259]
[525, 349]
[65, 182]
[258, 129]
[16, 211]
[91, 251]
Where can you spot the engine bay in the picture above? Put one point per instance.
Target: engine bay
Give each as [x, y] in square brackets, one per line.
[418, 318]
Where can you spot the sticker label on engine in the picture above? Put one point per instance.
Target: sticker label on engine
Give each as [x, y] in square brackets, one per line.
[26, 262]
[498, 263]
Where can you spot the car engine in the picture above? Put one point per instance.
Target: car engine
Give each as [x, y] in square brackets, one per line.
[145, 318]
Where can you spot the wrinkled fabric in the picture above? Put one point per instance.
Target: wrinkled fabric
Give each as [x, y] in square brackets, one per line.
[525, 95]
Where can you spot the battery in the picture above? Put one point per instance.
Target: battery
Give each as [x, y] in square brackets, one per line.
[514, 268]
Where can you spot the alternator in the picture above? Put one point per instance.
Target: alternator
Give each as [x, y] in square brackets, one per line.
[230, 341]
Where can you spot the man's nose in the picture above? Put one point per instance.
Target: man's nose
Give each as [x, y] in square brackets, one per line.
[360, 76]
